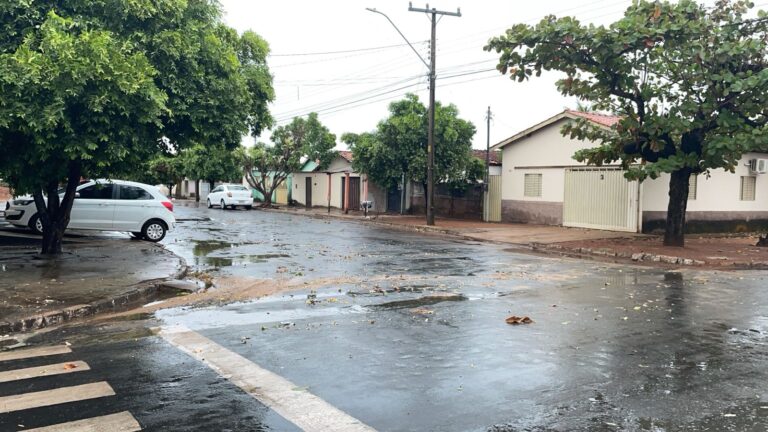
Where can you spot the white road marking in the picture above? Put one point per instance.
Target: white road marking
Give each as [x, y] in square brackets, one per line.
[34, 352]
[54, 397]
[40, 371]
[120, 422]
[301, 408]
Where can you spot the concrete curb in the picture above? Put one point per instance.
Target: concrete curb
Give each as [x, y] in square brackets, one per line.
[411, 228]
[144, 291]
[550, 249]
[645, 258]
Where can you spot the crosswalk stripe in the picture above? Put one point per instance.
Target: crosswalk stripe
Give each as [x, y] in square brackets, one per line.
[120, 422]
[54, 397]
[34, 352]
[301, 408]
[41, 371]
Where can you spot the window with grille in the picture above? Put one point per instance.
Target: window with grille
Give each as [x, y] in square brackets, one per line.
[748, 188]
[532, 185]
[693, 187]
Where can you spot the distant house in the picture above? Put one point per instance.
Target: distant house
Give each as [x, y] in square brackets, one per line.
[281, 194]
[493, 159]
[542, 183]
[313, 187]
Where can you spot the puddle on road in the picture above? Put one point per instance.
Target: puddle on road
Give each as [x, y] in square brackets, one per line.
[421, 301]
[204, 247]
[237, 260]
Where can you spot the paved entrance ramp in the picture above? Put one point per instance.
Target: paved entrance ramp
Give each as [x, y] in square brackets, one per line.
[92, 273]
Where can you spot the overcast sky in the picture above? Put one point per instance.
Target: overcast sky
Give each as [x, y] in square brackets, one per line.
[347, 64]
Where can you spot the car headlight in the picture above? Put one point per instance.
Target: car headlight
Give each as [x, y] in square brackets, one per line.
[23, 202]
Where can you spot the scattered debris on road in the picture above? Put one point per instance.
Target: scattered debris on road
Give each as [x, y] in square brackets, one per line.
[516, 320]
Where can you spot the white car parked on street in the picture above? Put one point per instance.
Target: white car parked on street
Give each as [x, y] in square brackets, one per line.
[106, 205]
[230, 195]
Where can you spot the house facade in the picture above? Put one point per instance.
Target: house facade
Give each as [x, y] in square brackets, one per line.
[543, 184]
[313, 187]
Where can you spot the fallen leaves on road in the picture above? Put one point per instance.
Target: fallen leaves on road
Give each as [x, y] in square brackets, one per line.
[69, 366]
[515, 320]
[422, 311]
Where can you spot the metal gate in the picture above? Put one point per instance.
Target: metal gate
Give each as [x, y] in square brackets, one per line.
[354, 192]
[281, 193]
[493, 199]
[600, 198]
[393, 200]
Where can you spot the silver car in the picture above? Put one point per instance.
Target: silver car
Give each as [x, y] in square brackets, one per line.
[230, 195]
[106, 205]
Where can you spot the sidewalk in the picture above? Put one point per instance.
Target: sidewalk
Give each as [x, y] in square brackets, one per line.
[93, 275]
[724, 251]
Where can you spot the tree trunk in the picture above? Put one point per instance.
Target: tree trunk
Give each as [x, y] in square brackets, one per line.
[54, 214]
[674, 234]
[178, 189]
[210, 185]
[197, 190]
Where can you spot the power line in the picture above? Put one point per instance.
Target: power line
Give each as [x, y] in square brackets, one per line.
[322, 105]
[342, 51]
[322, 60]
[298, 113]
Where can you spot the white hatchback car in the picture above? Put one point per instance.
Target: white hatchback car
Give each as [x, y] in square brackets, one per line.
[106, 205]
[230, 195]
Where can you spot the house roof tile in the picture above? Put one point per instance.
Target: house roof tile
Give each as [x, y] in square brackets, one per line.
[346, 154]
[493, 158]
[601, 119]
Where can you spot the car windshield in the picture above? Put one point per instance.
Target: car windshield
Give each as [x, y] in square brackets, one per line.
[236, 187]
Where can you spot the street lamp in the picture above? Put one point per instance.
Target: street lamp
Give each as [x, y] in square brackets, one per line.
[432, 77]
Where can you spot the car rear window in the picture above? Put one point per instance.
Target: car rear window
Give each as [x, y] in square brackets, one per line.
[234, 188]
[134, 193]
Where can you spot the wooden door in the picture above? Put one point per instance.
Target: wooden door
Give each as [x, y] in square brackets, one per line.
[354, 193]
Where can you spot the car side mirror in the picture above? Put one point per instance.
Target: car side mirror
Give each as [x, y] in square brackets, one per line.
[77, 194]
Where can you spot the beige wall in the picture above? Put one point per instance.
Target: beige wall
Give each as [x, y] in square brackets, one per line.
[720, 192]
[548, 148]
[319, 188]
[544, 148]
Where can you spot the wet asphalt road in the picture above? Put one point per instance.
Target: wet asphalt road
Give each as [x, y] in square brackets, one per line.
[413, 337]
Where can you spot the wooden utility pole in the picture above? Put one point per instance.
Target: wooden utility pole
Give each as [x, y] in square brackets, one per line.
[486, 186]
[431, 132]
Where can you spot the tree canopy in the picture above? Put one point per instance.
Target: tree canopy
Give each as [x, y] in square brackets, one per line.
[93, 88]
[211, 163]
[267, 166]
[399, 145]
[690, 84]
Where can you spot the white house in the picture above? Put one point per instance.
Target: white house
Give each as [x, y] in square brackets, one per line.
[542, 183]
[313, 187]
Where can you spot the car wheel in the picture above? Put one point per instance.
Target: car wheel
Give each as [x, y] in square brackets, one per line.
[36, 224]
[223, 205]
[209, 203]
[250, 207]
[153, 231]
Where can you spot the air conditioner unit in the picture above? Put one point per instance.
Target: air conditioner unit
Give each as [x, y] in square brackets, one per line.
[758, 166]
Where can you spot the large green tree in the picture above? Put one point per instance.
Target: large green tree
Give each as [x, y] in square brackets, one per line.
[94, 88]
[398, 146]
[267, 166]
[211, 163]
[689, 82]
